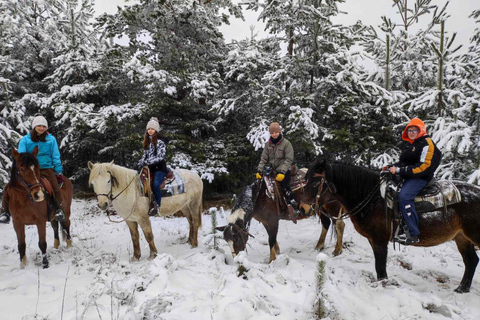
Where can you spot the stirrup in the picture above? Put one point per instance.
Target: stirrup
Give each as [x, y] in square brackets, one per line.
[60, 215]
[292, 213]
[407, 240]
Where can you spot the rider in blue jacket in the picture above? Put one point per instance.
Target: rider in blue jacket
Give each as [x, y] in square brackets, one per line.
[49, 160]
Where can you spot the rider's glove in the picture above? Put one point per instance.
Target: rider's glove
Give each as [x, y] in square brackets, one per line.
[60, 179]
[258, 176]
[280, 177]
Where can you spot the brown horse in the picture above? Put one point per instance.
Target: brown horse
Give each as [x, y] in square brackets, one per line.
[253, 202]
[28, 205]
[357, 189]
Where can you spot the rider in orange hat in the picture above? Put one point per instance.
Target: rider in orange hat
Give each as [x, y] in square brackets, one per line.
[419, 159]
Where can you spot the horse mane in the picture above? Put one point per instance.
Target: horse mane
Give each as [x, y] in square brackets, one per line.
[26, 159]
[120, 175]
[354, 183]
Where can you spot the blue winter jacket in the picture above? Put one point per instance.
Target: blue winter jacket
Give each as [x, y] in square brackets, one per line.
[48, 153]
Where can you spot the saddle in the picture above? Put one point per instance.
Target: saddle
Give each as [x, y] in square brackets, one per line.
[297, 181]
[48, 186]
[435, 195]
[146, 180]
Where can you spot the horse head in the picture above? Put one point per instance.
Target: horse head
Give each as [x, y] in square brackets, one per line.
[102, 181]
[26, 170]
[236, 233]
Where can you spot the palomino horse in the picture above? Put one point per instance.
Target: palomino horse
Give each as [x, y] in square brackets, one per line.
[28, 206]
[254, 203]
[121, 187]
[357, 189]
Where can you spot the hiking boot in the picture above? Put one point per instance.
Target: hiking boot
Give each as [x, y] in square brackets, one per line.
[5, 217]
[154, 210]
[60, 215]
[407, 240]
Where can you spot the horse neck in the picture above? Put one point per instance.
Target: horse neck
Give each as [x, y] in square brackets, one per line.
[353, 183]
[124, 177]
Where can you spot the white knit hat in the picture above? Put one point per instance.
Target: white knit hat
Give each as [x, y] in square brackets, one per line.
[39, 121]
[153, 123]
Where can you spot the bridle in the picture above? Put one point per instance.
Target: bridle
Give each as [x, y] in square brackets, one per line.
[113, 181]
[321, 191]
[29, 186]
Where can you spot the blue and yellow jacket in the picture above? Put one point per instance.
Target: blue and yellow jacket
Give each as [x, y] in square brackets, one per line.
[48, 153]
[421, 157]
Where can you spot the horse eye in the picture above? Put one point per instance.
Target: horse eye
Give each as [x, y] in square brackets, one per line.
[109, 181]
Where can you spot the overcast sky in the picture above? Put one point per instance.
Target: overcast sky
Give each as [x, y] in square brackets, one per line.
[368, 11]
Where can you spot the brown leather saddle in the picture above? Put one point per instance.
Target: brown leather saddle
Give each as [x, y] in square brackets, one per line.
[147, 181]
[48, 186]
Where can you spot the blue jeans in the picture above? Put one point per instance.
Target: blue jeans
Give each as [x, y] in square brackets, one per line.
[157, 181]
[406, 200]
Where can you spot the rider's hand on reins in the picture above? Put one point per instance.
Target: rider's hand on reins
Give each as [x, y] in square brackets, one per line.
[280, 177]
[258, 176]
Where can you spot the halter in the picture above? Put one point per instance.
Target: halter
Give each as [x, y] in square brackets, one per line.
[110, 194]
[29, 186]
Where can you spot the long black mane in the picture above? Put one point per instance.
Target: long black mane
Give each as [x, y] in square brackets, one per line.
[352, 182]
[26, 160]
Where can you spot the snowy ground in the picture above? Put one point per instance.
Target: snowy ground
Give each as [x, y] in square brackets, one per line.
[95, 280]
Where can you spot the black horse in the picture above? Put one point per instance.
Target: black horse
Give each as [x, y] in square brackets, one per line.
[358, 190]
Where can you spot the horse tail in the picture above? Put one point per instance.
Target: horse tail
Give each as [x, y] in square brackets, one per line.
[201, 213]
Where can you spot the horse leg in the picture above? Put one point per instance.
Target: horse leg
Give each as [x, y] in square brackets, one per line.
[20, 231]
[470, 259]
[339, 226]
[42, 242]
[272, 230]
[65, 225]
[133, 226]
[188, 214]
[380, 251]
[147, 231]
[325, 225]
[56, 241]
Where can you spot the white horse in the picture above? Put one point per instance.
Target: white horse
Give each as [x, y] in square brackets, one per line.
[121, 187]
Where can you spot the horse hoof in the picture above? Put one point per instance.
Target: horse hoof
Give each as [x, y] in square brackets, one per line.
[152, 256]
[319, 248]
[69, 243]
[460, 289]
[56, 243]
[134, 259]
[337, 253]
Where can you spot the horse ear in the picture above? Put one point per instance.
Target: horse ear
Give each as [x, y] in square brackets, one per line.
[35, 151]
[15, 153]
[221, 228]
[90, 165]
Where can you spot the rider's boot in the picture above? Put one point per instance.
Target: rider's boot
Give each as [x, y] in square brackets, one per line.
[154, 209]
[292, 206]
[59, 214]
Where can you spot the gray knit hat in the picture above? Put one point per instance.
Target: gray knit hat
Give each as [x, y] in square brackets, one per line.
[39, 120]
[153, 123]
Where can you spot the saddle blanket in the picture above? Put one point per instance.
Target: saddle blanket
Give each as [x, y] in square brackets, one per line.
[438, 195]
[175, 186]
